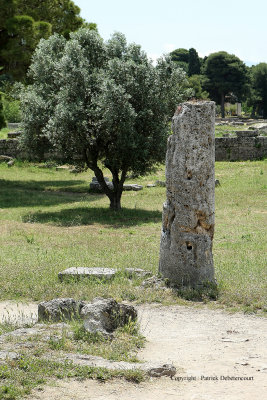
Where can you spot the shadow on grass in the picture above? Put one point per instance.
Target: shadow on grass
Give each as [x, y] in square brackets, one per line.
[89, 216]
[34, 193]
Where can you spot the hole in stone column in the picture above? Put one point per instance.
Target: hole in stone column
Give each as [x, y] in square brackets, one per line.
[189, 175]
[189, 246]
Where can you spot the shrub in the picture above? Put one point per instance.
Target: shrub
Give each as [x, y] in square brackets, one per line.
[2, 118]
[11, 110]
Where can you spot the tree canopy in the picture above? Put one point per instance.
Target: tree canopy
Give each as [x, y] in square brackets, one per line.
[259, 88]
[181, 57]
[225, 74]
[193, 62]
[101, 104]
[24, 22]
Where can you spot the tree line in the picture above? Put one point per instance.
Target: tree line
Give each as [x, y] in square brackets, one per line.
[222, 76]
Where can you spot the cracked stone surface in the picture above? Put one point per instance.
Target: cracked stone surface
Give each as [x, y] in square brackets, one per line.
[189, 211]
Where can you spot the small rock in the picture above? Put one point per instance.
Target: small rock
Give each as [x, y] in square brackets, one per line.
[83, 272]
[154, 282]
[11, 355]
[59, 309]
[132, 186]
[130, 272]
[96, 186]
[106, 315]
[160, 183]
[63, 168]
[164, 370]
[151, 185]
[10, 163]
[5, 158]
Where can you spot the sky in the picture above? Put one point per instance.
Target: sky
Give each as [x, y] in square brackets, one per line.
[160, 26]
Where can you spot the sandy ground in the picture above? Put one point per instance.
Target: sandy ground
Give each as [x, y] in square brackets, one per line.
[18, 313]
[207, 347]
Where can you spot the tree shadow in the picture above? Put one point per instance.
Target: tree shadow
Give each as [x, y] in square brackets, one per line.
[88, 216]
[35, 193]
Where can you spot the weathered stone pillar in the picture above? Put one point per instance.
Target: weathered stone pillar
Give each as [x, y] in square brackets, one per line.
[188, 213]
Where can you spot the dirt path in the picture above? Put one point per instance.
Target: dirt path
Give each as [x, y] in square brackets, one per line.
[199, 342]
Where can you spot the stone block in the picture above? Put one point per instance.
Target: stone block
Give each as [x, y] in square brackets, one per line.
[106, 315]
[83, 272]
[59, 310]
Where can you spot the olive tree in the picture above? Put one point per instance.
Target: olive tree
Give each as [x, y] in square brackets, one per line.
[101, 104]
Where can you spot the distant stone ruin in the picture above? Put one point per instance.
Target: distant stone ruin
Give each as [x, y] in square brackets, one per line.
[188, 213]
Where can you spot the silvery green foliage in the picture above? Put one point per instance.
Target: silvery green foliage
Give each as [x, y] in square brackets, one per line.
[94, 101]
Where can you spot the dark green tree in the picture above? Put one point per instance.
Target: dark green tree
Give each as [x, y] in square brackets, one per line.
[101, 104]
[2, 118]
[225, 75]
[23, 35]
[259, 88]
[24, 22]
[193, 63]
[63, 15]
[181, 57]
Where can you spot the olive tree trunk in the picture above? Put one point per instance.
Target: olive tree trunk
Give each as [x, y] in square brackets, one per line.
[114, 194]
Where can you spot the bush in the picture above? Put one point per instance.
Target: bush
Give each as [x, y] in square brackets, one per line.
[2, 118]
[11, 110]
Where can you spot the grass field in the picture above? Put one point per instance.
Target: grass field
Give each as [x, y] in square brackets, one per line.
[49, 221]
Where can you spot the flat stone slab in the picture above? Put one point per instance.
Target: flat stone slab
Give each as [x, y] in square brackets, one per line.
[132, 186]
[83, 272]
[152, 369]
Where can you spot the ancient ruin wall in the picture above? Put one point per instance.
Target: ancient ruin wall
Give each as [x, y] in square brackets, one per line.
[240, 148]
[226, 149]
[188, 213]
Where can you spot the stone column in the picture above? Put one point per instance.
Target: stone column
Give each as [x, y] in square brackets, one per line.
[188, 213]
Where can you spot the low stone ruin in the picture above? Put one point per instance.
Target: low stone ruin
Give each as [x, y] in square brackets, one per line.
[101, 315]
[188, 213]
[14, 135]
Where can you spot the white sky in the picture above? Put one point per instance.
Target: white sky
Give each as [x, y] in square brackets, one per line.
[236, 26]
